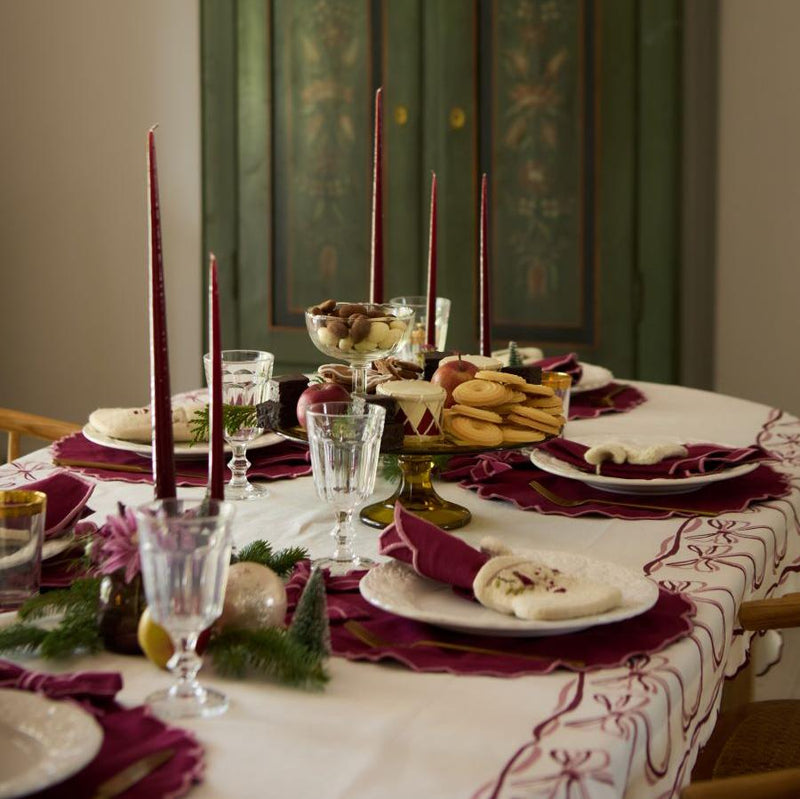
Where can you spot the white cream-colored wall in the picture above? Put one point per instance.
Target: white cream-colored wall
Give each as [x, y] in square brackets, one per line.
[758, 231]
[82, 81]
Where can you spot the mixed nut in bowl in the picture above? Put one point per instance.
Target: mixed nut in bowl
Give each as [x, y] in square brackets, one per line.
[358, 332]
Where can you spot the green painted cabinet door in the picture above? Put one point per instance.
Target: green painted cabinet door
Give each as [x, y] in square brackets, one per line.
[570, 106]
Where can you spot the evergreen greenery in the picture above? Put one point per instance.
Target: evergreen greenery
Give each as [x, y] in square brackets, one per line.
[234, 417]
[513, 354]
[76, 632]
[270, 653]
[281, 562]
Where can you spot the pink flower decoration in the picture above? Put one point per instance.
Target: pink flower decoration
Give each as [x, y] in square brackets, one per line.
[118, 545]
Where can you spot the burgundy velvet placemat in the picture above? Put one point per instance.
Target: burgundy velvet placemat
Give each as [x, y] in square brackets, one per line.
[128, 735]
[507, 476]
[279, 461]
[360, 631]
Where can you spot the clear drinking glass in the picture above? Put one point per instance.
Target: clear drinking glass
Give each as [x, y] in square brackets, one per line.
[344, 439]
[22, 515]
[414, 347]
[185, 549]
[245, 381]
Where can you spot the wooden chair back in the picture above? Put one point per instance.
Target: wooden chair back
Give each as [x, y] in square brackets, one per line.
[782, 783]
[18, 423]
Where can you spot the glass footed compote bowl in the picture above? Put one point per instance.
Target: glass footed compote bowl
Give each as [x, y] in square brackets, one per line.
[360, 333]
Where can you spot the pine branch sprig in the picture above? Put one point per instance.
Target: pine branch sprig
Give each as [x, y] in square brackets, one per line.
[77, 631]
[85, 591]
[23, 638]
[234, 417]
[281, 562]
[269, 653]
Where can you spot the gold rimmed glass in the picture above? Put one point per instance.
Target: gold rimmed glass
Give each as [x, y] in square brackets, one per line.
[22, 518]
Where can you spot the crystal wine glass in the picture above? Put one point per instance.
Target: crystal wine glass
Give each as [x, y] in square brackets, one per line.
[185, 550]
[360, 333]
[344, 439]
[245, 382]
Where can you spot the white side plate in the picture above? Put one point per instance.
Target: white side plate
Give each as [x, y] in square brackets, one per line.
[631, 485]
[182, 449]
[44, 741]
[397, 588]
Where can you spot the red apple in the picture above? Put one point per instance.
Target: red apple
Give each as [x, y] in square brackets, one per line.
[319, 392]
[452, 374]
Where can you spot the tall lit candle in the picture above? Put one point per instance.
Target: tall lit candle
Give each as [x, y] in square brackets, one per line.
[376, 249]
[431, 309]
[160, 397]
[485, 308]
[216, 466]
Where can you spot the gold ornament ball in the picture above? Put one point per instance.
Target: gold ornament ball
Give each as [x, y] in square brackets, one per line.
[254, 598]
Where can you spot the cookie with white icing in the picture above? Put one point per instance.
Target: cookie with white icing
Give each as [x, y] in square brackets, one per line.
[520, 586]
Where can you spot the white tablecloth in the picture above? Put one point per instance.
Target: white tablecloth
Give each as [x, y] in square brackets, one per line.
[385, 731]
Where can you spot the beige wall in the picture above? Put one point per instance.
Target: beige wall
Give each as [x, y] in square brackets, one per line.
[758, 280]
[81, 83]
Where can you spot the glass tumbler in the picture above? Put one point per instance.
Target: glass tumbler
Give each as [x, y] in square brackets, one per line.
[22, 517]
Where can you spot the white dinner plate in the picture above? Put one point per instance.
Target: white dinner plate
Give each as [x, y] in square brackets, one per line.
[44, 742]
[182, 449]
[397, 588]
[592, 377]
[632, 485]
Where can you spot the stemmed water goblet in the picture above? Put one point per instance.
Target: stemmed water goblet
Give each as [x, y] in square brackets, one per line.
[359, 333]
[344, 439]
[245, 382]
[185, 551]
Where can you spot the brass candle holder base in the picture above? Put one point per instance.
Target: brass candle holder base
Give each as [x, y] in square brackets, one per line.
[416, 494]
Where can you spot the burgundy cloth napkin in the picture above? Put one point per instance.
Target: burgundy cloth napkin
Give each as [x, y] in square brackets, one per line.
[360, 631]
[506, 476]
[67, 495]
[128, 735]
[562, 363]
[700, 459]
[283, 460]
[430, 551]
[613, 398]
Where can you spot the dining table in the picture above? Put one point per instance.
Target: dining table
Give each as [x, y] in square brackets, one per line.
[381, 729]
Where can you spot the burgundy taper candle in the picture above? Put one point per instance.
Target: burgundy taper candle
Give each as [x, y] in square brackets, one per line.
[160, 397]
[216, 453]
[376, 249]
[431, 309]
[485, 308]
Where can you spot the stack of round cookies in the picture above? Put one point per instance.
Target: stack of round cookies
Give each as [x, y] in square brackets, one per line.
[499, 408]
